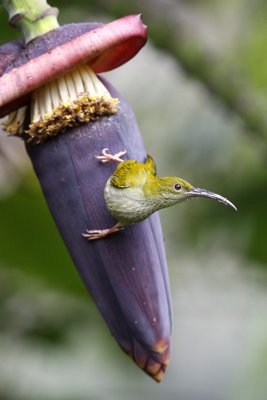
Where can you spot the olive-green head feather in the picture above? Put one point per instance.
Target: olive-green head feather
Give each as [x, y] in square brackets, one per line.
[171, 190]
[169, 187]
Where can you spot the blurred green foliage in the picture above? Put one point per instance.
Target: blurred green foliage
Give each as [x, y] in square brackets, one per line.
[30, 241]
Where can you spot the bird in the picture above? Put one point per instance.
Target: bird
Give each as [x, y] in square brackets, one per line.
[134, 192]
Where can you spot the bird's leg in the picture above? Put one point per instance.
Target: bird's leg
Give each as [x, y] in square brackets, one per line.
[100, 234]
[106, 157]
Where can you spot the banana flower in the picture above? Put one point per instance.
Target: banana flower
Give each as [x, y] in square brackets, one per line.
[66, 114]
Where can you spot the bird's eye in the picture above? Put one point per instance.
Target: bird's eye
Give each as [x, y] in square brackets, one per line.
[177, 186]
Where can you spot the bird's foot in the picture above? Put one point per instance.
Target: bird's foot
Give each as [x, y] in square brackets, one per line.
[101, 233]
[106, 157]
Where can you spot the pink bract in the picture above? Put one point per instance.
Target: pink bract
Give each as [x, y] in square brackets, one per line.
[103, 48]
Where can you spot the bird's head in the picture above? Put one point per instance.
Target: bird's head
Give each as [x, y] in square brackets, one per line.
[172, 190]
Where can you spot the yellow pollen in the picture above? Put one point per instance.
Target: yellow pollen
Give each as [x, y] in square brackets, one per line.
[75, 98]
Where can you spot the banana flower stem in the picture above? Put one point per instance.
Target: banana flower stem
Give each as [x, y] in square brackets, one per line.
[33, 18]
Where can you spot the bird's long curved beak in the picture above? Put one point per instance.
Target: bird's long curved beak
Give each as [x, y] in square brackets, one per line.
[197, 192]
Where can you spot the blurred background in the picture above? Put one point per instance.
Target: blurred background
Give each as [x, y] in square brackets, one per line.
[199, 92]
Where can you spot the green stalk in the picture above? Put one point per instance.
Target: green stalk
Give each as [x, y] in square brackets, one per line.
[33, 17]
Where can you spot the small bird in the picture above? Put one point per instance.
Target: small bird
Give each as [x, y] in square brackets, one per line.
[135, 191]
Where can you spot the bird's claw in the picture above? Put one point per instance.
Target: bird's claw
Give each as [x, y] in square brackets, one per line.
[101, 233]
[93, 234]
[106, 157]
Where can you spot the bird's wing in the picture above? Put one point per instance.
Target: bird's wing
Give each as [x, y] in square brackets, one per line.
[129, 173]
[150, 167]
